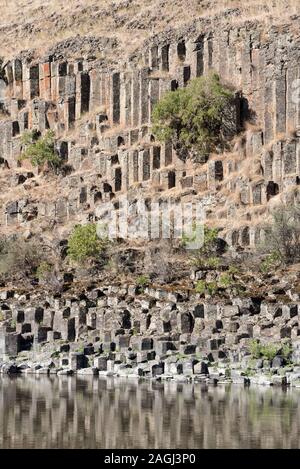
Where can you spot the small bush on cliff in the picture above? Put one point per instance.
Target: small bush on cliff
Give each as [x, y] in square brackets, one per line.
[40, 150]
[43, 270]
[209, 254]
[142, 281]
[84, 243]
[282, 237]
[268, 351]
[226, 280]
[271, 262]
[19, 257]
[194, 118]
[206, 288]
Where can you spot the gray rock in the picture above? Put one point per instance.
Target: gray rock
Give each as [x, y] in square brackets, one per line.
[279, 380]
[43, 371]
[201, 368]
[65, 372]
[91, 371]
[157, 369]
[9, 369]
[278, 362]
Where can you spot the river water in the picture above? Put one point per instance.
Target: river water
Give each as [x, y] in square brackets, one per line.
[65, 412]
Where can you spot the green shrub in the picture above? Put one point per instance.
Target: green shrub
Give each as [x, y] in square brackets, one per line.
[194, 117]
[268, 351]
[13, 323]
[270, 263]
[282, 237]
[142, 281]
[286, 351]
[212, 288]
[193, 238]
[188, 238]
[207, 255]
[84, 243]
[18, 256]
[249, 372]
[202, 287]
[80, 349]
[213, 262]
[255, 349]
[43, 270]
[40, 150]
[233, 270]
[226, 280]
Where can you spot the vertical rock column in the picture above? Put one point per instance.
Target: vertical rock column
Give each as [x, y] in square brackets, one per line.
[208, 51]
[133, 167]
[280, 100]
[62, 71]
[105, 92]
[144, 93]
[233, 70]
[269, 106]
[125, 99]
[293, 97]
[18, 79]
[54, 81]
[26, 82]
[45, 81]
[7, 143]
[223, 46]
[83, 85]
[277, 162]
[115, 98]
[10, 82]
[200, 56]
[95, 90]
[124, 160]
[135, 99]
[34, 81]
[154, 93]
[70, 98]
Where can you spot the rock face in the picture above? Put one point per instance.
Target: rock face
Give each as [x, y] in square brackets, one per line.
[112, 329]
[102, 120]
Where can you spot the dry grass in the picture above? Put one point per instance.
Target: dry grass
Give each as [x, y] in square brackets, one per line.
[26, 24]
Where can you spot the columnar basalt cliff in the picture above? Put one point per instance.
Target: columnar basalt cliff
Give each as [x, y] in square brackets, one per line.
[101, 116]
[154, 332]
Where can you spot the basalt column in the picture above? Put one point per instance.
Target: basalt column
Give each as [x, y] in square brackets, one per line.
[70, 101]
[18, 80]
[144, 84]
[135, 93]
[125, 99]
[85, 86]
[116, 91]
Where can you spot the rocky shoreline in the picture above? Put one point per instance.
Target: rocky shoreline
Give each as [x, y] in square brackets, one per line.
[249, 371]
[153, 333]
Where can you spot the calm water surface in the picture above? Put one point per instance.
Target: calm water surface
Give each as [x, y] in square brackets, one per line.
[45, 412]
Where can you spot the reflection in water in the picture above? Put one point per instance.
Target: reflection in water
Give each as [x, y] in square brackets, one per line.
[43, 412]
